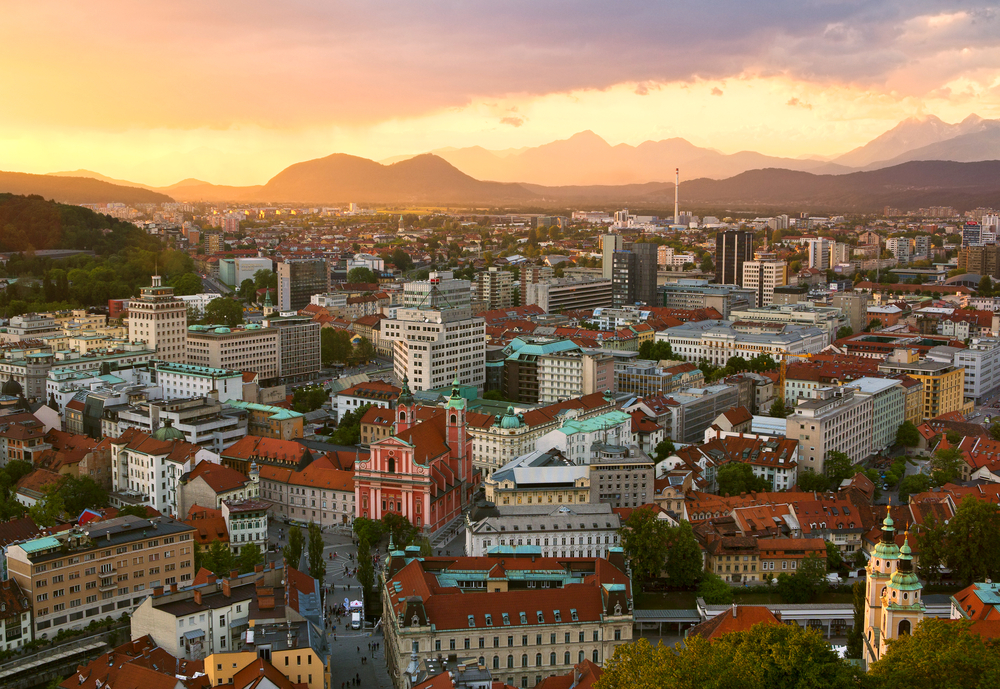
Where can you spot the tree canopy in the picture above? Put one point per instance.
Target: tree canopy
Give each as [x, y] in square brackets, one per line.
[223, 311]
[734, 478]
[362, 275]
[969, 544]
[644, 538]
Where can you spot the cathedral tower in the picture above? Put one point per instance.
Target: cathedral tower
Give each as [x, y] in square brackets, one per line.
[902, 609]
[405, 408]
[880, 568]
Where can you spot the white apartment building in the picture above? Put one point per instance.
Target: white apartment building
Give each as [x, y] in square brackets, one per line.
[900, 248]
[435, 337]
[579, 440]
[828, 318]
[981, 361]
[246, 522]
[159, 319]
[198, 302]
[667, 258]
[372, 262]
[716, 341]
[145, 469]
[832, 420]
[819, 253]
[186, 380]
[888, 408]
[569, 374]
[762, 275]
[201, 421]
[579, 528]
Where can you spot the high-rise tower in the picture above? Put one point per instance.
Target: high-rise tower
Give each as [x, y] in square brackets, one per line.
[159, 319]
[677, 195]
[733, 248]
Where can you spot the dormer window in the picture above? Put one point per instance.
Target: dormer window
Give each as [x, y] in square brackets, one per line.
[557, 615]
[506, 619]
[573, 615]
[541, 617]
[524, 618]
[489, 620]
[472, 620]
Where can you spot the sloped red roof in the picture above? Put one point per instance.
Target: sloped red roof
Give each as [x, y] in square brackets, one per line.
[219, 478]
[739, 618]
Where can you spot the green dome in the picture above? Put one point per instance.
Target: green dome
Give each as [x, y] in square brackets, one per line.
[510, 419]
[167, 432]
[222, 330]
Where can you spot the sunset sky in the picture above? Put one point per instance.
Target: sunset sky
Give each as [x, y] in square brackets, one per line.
[232, 92]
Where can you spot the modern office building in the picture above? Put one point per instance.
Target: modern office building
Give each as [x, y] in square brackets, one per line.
[565, 375]
[820, 253]
[634, 275]
[435, 337]
[888, 408]
[944, 382]
[833, 419]
[700, 294]
[610, 243]
[299, 279]
[159, 319]
[567, 294]
[762, 275]
[247, 348]
[186, 380]
[733, 248]
[980, 361]
[102, 569]
[298, 345]
[854, 306]
[495, 288]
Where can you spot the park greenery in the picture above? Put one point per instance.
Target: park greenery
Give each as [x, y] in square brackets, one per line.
[968, 544]
[309, 398]
[652, 546]
[66, 499]
[220, 560]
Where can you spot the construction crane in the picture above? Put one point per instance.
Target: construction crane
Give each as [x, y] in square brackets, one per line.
[782, 370]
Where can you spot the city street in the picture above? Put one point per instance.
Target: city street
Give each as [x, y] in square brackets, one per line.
[345, 656]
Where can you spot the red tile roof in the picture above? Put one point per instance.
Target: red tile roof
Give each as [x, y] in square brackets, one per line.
[134, 664]
[739, 618]
[219, 478]
[583, 676]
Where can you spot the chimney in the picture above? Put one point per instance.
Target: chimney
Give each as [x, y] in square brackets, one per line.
[734, 609]
[197, 596]
[226, 590]
[211, 578]
[173, 588]
[234, 574]
[158, 591]
[258, 569]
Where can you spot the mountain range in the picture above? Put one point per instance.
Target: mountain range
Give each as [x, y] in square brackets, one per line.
[912, 160]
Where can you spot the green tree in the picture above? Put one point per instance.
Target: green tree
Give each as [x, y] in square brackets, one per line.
[335, 346]
[972, 541]
[370, 530]
[361, 275]
[844, 331]
[806, 584]
[293, 549]
[939, 653]
[187, 283]
[838, 466]
[953, 437]
[218, 558]
[735, 478]
[706, 265]
[946, 465]
[809, 480]
[224, 311]
[855, 636]
[664, 449]
[349, 427]
[684, 563]
[495, 395]
[910, 485]
[250, 556]
[366, 570]
[365, 350]
[834, 560]
[714, 590]
[402, 260]
[995, 430]
[317, 566]
[985, 287]
[309, 398]
[907, 434]
[247, 291]
[931, 546]
[135, 511]
[763, 362]
[778, 410]
[644, 540]
[399, 528]
[736, 364]
[265, 279]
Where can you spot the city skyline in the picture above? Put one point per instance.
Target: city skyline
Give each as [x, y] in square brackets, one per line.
[234, 93]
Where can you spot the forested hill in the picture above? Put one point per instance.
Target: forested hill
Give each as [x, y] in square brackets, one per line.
[31, 222]
[77, 189]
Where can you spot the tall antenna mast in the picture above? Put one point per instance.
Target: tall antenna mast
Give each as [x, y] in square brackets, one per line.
[677, 188]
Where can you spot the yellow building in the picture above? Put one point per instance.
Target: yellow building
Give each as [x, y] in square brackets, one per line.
[267, 421]
[539, 478]
[943, 383]
[300, 664]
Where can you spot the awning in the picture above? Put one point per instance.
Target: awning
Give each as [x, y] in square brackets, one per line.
[242, 622]
[196, 634]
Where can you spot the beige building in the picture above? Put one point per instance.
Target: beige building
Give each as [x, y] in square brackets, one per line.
[537, 478]
[495, 287]
[569, 374]
[248, 348]
[526, 619]
[159, 319]
[103, 569]
[832, 420]
[943, 382]
[762, 275]
[854, 305]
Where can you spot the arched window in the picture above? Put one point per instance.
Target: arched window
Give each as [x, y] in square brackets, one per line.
[524, 660]
[496, 662]
[391, 467]
[538, 659]
[904, 627]
[580, 657]
[566, 658]
[596, 656]
[552, 659]
[510, 661]
[482, 661]
[402, 416]
[454, 418]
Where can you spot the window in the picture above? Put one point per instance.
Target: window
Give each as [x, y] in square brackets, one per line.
[510, 661]
[566, 658]
[552, 659]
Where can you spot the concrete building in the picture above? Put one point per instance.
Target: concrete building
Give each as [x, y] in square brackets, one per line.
[186, 380]
[716, 341]
[762, 275]
[820, 254]
[700, 294]
[16, 627]
[828, 318]
[246, 522]
[633, 278]
[580, 441]
[196, 303]
[610, 243]
[539, 477]
[495, 288]
[621, 476]
[854, 306]
[103, 569]
[687, 413]
[733, 248]
[555, 295]
[943, 382]
[233, 271]
[201, 421]
[981, 362]
[526, 620]
[159, 319]
[899, 247]
[247, 348]
[831, 420]
[888, 408]
[298, 345]
[435, 336]
[588, 530]
[532, 275]
[267, 421]
[299, 279]
[30, 326]
[643, 377]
